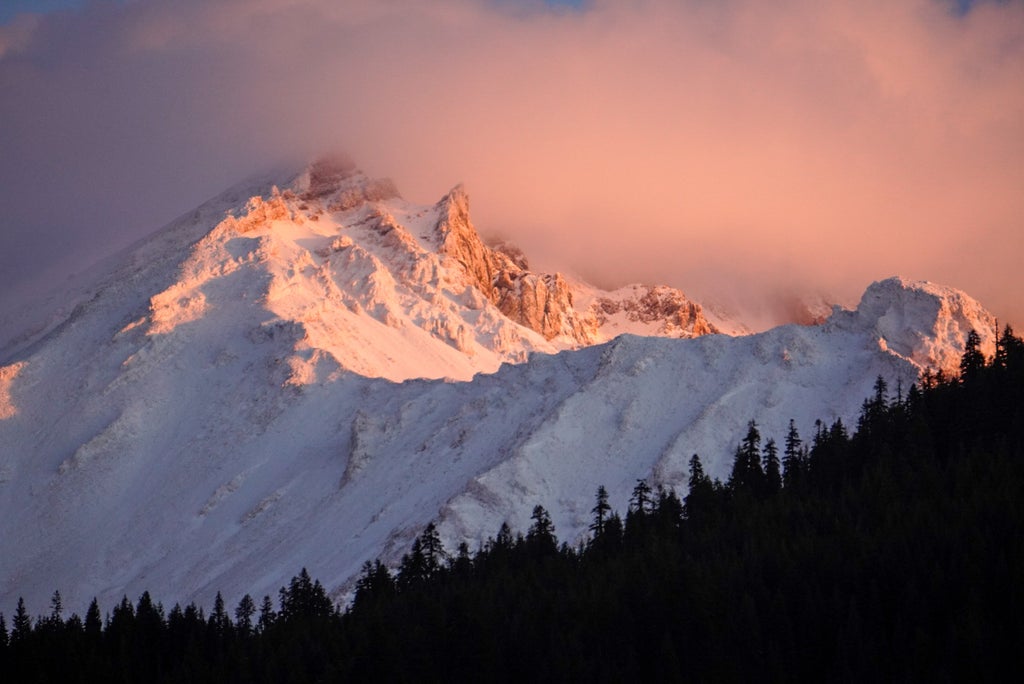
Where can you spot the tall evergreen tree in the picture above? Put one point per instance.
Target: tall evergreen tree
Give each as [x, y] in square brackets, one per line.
[540, 538]
[600, 511]
[791, 459]
[56, 608]
[973, 361]
[304, 598]
[219, 620]
[641, 501]
[699, 501]
[21, 625]
[747, 475]
[772, 467]
[268, 616]
[93, 620]
[244, 613]
[1009, 350]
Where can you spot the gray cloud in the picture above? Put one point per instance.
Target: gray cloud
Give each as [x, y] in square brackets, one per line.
[730, 148]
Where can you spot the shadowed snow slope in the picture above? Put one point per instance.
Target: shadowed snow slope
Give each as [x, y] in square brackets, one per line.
[235, 397]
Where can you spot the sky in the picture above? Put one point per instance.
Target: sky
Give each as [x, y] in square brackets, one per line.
[737, 149]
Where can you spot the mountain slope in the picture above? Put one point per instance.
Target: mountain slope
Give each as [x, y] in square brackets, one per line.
[236, 397]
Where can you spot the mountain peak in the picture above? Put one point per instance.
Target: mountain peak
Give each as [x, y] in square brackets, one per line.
[246, 387]
[337, 183]
[924, 322]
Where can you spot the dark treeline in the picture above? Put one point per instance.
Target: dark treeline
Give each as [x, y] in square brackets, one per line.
[892, 550]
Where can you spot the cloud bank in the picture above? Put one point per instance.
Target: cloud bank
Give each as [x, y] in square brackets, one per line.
[735, 149]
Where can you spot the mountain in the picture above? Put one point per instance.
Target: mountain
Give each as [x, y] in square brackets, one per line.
[308, 368]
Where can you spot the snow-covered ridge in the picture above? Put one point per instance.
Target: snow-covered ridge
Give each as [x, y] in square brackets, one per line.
[243, 393]
[923, 322]
[363, 280]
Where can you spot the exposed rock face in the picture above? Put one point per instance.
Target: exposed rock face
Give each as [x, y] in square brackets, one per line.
[677, 314]
[540, 302]
[458, 239]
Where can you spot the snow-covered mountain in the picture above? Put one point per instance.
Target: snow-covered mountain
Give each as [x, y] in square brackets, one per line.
[308, 368]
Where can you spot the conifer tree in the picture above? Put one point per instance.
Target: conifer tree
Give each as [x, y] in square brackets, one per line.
[243, 614]
[219, 619]
[3, 633]
[93, 620]
[699, 500]
[1009, 349]
[973, 361]
[267, 615]
[791, 461]
[375, 582]
[772, 470]
[433, 550]
[540, 538]
[21, 625]
[600, 512]
[304, 598]
[641, 501]
[56, 608]
[747, 475]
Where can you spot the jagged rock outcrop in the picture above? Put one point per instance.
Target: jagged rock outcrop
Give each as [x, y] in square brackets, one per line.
[678, 316]
[546, 303]
[541, 302]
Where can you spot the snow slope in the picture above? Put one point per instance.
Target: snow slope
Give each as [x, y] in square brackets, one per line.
[244, 394]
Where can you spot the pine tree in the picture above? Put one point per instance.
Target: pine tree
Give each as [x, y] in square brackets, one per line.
[772, 471]
[304, 599]
[243, 615]
[93, 620]
[424, 560]
[791, 461]
[746, 475]
[21, 626]
[375, 582]
[433, 549]
[56, 608]
[600, 511]
[219, 620]
[881, 392]
[268, 616]
[3, 633]
[973, 361]
[540, 538]
[641, 501]
[699, 500]
[1009, 349]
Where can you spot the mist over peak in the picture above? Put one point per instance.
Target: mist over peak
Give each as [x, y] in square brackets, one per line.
[729, 149]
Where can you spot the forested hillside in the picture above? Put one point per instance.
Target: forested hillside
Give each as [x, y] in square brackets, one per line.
[886, 551]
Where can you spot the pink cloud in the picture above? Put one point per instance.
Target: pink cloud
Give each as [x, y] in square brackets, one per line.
[729, 148]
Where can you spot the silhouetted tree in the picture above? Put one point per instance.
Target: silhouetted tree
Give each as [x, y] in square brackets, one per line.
[268, 616]
[772, 467]
[746, 475]
[540, 538]
[791, 459]
[600, 511]
[21, 625]
[244, 613]
[973, 361]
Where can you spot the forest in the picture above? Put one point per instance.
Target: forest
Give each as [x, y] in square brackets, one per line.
[889, 550]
